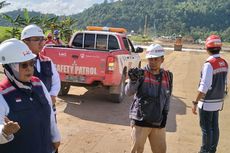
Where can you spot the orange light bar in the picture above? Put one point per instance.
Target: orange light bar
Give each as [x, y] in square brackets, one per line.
[96, 28]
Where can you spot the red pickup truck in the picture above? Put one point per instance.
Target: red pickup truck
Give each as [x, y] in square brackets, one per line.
[97, 57]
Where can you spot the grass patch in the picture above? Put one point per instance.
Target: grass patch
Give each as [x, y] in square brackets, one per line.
[140, 38]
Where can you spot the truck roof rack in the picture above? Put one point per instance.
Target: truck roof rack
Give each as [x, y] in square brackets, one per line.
[109, 29]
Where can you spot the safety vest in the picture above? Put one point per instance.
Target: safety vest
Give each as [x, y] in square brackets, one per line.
[216, 93]
[149, 89]
[32, 112]
[46, 72]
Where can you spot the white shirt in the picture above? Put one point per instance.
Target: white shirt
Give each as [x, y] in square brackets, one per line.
[4, 111]
[56, 83]
[206, 84]
[206, 79]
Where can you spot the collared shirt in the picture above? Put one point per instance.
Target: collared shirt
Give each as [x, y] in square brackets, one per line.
[4, 111]
[205, 85]
[56, 85]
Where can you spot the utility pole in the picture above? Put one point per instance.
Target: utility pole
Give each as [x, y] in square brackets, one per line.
[145, 26]
[154, 28]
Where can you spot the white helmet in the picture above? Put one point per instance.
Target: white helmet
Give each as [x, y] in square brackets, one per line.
[154, 51]
[14, 51]
[31, 31]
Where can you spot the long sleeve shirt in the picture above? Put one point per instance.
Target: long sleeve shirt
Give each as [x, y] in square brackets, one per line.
[56, 85]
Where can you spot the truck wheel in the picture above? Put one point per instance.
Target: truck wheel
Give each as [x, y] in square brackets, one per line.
[118, 98]
[64, 89]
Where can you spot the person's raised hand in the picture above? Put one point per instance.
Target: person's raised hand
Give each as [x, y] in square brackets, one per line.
[135, 74]
[10, 127]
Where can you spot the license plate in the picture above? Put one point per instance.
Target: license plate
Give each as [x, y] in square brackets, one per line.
[79, 79]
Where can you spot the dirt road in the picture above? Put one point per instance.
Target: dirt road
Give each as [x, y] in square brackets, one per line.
[90, 123]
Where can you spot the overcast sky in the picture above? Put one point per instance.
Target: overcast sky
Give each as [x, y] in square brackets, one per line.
[58, 7]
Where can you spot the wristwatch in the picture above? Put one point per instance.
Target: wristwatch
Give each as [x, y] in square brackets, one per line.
[194, 102]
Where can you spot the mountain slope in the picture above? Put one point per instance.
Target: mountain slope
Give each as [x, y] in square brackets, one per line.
[165, 16]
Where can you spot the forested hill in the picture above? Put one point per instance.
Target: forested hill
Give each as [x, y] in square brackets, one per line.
[163, 16]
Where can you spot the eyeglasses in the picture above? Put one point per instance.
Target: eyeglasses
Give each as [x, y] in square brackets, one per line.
[25, 65]
[37, 39]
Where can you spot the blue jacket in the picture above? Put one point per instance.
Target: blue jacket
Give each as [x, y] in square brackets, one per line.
[32, 111]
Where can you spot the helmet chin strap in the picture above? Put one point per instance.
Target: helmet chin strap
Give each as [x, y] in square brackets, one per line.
[26, 86]
[15, 69]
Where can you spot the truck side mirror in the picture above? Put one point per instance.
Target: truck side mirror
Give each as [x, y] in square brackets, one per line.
[139, 50]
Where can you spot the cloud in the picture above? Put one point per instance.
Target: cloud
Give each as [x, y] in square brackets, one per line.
[58, 7]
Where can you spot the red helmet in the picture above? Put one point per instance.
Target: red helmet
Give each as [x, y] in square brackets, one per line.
[213, 41]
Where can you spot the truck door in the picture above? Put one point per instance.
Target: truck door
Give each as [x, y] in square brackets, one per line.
[134, 58]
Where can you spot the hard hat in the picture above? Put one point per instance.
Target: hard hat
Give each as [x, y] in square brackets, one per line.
[154, 51]
[31, 31]
[14, 51]
[213, 41]
[56, 32]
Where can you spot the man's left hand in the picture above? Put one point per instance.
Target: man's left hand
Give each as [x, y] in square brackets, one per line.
[194, 109]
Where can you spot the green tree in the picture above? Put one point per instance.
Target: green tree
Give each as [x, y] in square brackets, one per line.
[26, 19]
[168, 16]
[52, 23]
[15, 23]
[48, 23]
[66, 28]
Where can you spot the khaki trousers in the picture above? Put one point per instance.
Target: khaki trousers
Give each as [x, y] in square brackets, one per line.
[157, 139]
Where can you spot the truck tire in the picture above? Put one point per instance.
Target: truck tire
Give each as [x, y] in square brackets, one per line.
[118, 98]
[64, 89]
